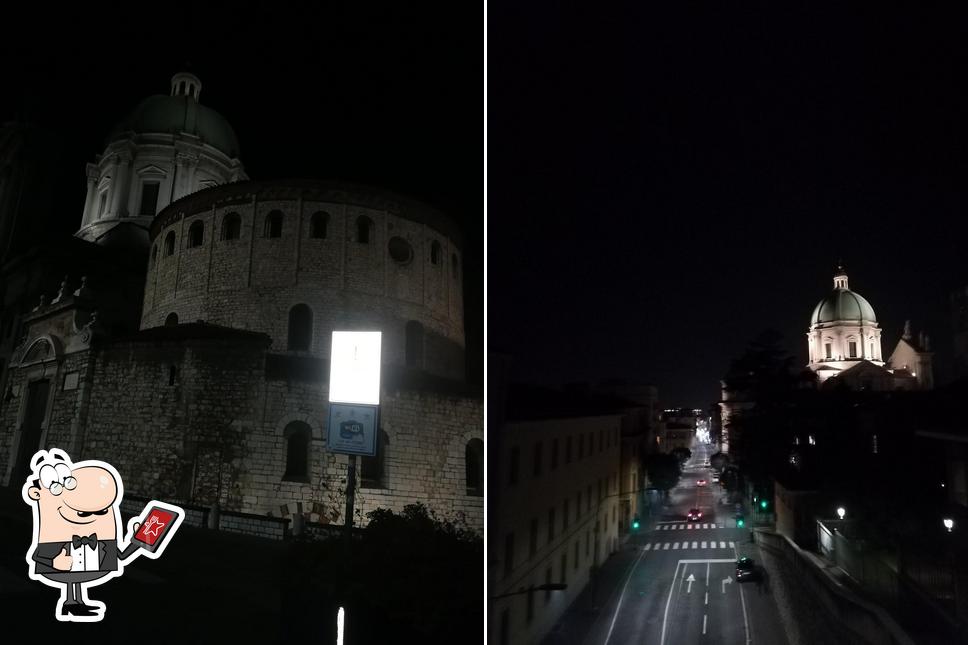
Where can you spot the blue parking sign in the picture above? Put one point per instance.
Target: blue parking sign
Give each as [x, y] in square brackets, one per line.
[352, 429]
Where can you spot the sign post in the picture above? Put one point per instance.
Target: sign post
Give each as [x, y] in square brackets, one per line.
[354, 404]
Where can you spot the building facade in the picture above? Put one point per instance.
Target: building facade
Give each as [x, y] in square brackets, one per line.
[200, 369]
[559, 486]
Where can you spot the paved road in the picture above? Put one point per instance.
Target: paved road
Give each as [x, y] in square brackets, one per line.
[680, 585]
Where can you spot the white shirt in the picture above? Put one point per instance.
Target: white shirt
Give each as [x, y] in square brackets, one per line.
[85, 558]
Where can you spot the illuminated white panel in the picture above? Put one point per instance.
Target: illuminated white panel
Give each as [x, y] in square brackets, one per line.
[354, 372]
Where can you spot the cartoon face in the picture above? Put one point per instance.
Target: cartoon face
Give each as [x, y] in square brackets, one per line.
[76, 501]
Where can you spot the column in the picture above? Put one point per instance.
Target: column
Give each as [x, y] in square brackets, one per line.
[124, 188]
[115, 198]
[89, 205]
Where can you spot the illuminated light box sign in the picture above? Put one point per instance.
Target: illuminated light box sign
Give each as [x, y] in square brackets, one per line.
[352, 429]
[354, 372]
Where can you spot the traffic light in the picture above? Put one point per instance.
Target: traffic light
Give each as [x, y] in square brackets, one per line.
[763, 504]
[740, 521]
[635, 524]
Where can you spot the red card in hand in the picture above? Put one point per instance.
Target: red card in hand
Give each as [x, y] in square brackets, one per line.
[152, 532]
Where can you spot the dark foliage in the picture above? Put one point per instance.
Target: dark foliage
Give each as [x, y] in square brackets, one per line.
[664, 470]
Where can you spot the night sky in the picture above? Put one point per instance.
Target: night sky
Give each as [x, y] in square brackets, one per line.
[392, 97]
[666, 182]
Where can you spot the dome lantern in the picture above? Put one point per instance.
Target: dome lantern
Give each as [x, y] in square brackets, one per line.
[840, 278]
[186, 84]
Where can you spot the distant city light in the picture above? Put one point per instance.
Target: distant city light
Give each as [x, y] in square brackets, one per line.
[949, 523]
[841, 512]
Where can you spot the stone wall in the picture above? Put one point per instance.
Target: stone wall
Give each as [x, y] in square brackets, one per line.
[253, 282]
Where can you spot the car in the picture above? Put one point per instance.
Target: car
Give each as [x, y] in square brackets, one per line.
[694, 514]
[701, 482]
[715, 478]
[746, 570]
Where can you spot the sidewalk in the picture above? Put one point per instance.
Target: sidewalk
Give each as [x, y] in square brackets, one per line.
[577, 622]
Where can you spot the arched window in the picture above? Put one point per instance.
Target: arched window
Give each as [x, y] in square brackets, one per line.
[297, 436]
[170, 243]
[273, 225]
[196, 232]
[415, 342]
[474, 467]
[318, 224]
[454, 265]
[435, 252]
[231, 227]
[364, 229]
[171, 320]
[300, 328]
[373, 469]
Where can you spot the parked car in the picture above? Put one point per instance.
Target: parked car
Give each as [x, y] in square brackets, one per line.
[746, 570]
[701, 482]
[694, 514]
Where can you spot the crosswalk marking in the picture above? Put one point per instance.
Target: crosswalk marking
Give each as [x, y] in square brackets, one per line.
[675, 546]
[705, 526]
[688, 526]
[682, 526]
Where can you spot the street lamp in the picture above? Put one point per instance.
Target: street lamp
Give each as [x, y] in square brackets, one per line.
[948, 523]
[841, 512]
[554, 586]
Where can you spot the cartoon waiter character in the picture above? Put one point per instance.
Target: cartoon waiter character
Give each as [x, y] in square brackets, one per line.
[76, 519]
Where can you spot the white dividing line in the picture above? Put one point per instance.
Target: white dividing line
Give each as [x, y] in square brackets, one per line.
[742, 597]
[707, 597]
[622, 596]
[704, 623]
[665, 616]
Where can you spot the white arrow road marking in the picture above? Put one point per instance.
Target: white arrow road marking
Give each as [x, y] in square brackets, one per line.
[728, 580]
[691, 579]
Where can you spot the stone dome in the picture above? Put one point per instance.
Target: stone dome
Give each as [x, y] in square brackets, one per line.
[177, 114]
[842, 304]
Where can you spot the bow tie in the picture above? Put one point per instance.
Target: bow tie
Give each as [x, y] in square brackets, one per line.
[90, 540]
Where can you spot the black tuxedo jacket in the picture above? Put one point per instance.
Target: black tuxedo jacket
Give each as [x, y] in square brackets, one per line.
[45, 553]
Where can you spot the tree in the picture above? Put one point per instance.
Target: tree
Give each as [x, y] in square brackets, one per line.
[718, 461]
[664, 470]
[682, 454]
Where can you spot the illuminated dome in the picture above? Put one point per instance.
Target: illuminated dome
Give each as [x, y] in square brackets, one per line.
[842, 304]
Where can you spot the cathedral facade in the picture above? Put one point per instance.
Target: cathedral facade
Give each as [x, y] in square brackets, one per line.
[208, 386]
[844, 346]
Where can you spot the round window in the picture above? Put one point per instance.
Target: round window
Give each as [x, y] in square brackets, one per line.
[400, 250]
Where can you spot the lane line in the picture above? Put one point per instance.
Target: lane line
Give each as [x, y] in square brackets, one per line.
[707, 597]
[665, 616]
[742, 597]
[622, 596]
[704, 623]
